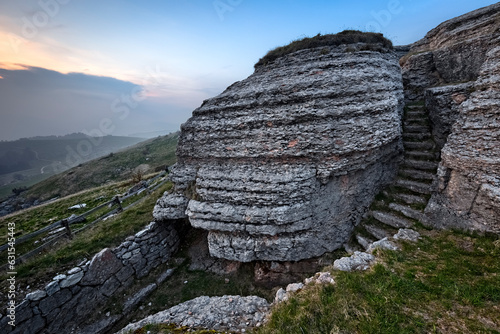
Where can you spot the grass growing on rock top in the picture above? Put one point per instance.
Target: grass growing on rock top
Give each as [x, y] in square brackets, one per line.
[344, 37]
[446, 283]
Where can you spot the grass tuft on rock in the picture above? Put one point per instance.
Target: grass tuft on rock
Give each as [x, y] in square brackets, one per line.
[344, 37]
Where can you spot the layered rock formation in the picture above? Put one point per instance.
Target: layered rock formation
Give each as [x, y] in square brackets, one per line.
[469, 175]
[455, 70]
[282, 165]
[453, 52]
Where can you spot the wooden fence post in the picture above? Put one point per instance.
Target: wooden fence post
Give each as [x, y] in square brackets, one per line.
[65, 223]
[117, 200]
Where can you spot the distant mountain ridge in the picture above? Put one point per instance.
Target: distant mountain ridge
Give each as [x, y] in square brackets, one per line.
[75, 135]
[26, 161]
[64, 151]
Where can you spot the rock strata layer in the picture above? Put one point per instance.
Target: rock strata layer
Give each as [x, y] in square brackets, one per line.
[468, 194]
[282, 165]
[453, 52]
[234, 313]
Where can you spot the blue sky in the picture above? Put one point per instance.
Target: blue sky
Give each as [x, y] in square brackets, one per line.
[178, 52]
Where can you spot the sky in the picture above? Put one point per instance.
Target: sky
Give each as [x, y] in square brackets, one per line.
[124, 67]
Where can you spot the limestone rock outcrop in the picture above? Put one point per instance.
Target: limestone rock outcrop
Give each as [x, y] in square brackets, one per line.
[453, 52]
[233, 313]
[455, 70]
[443, 104]
[468, 194]
[282, 165]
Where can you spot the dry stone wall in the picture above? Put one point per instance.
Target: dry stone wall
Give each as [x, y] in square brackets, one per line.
[66, 303]
[282, 165]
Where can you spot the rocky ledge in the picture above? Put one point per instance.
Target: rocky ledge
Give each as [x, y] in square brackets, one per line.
[282, 165]
[452, 52]
[234, 313]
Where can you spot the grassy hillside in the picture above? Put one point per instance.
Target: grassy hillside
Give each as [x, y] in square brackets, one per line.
[25, 162]
[148, 156]
[65, 254]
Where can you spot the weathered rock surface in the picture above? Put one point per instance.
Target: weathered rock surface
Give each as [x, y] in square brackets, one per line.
[407, 234]
[443, 104]
[281, 166]
[468, 194]
[357, 261]
[452, 52]
[220, 313]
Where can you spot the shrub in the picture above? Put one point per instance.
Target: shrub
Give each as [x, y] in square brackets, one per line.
[344, 37]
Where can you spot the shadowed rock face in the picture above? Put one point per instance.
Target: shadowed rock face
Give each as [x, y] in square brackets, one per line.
[282, 165]
[452, 52]
[469, 175]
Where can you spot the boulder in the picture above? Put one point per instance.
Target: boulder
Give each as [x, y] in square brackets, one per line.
[282, 165]
[443, 104]
[357, 261]
[232, 313]
[101, 267]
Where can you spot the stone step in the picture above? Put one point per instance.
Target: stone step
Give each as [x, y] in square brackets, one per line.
[417, 136]
[416, 113]
[411, 199]
[416, 129]
[416, 122]
[415, 186]
[377, 232]
[417, 174]
[407, 212]
[421, 165]
[423, 145]
[363, 241]
[416, 117]
[415, 107]
[420, 155]
[391, 219]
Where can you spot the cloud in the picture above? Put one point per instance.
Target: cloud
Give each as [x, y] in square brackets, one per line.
[37, 101]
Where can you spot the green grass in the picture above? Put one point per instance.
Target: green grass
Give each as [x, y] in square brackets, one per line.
[35, 218]
[6, 190]
[448, 282]
[64, 255]
[345, 37]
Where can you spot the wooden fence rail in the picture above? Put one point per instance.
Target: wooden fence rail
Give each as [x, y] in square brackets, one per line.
[67, 222]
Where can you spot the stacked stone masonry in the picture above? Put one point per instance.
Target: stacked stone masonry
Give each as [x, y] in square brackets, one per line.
[66, 303]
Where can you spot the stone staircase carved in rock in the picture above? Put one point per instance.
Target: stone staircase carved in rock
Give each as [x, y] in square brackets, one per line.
[402, 204]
